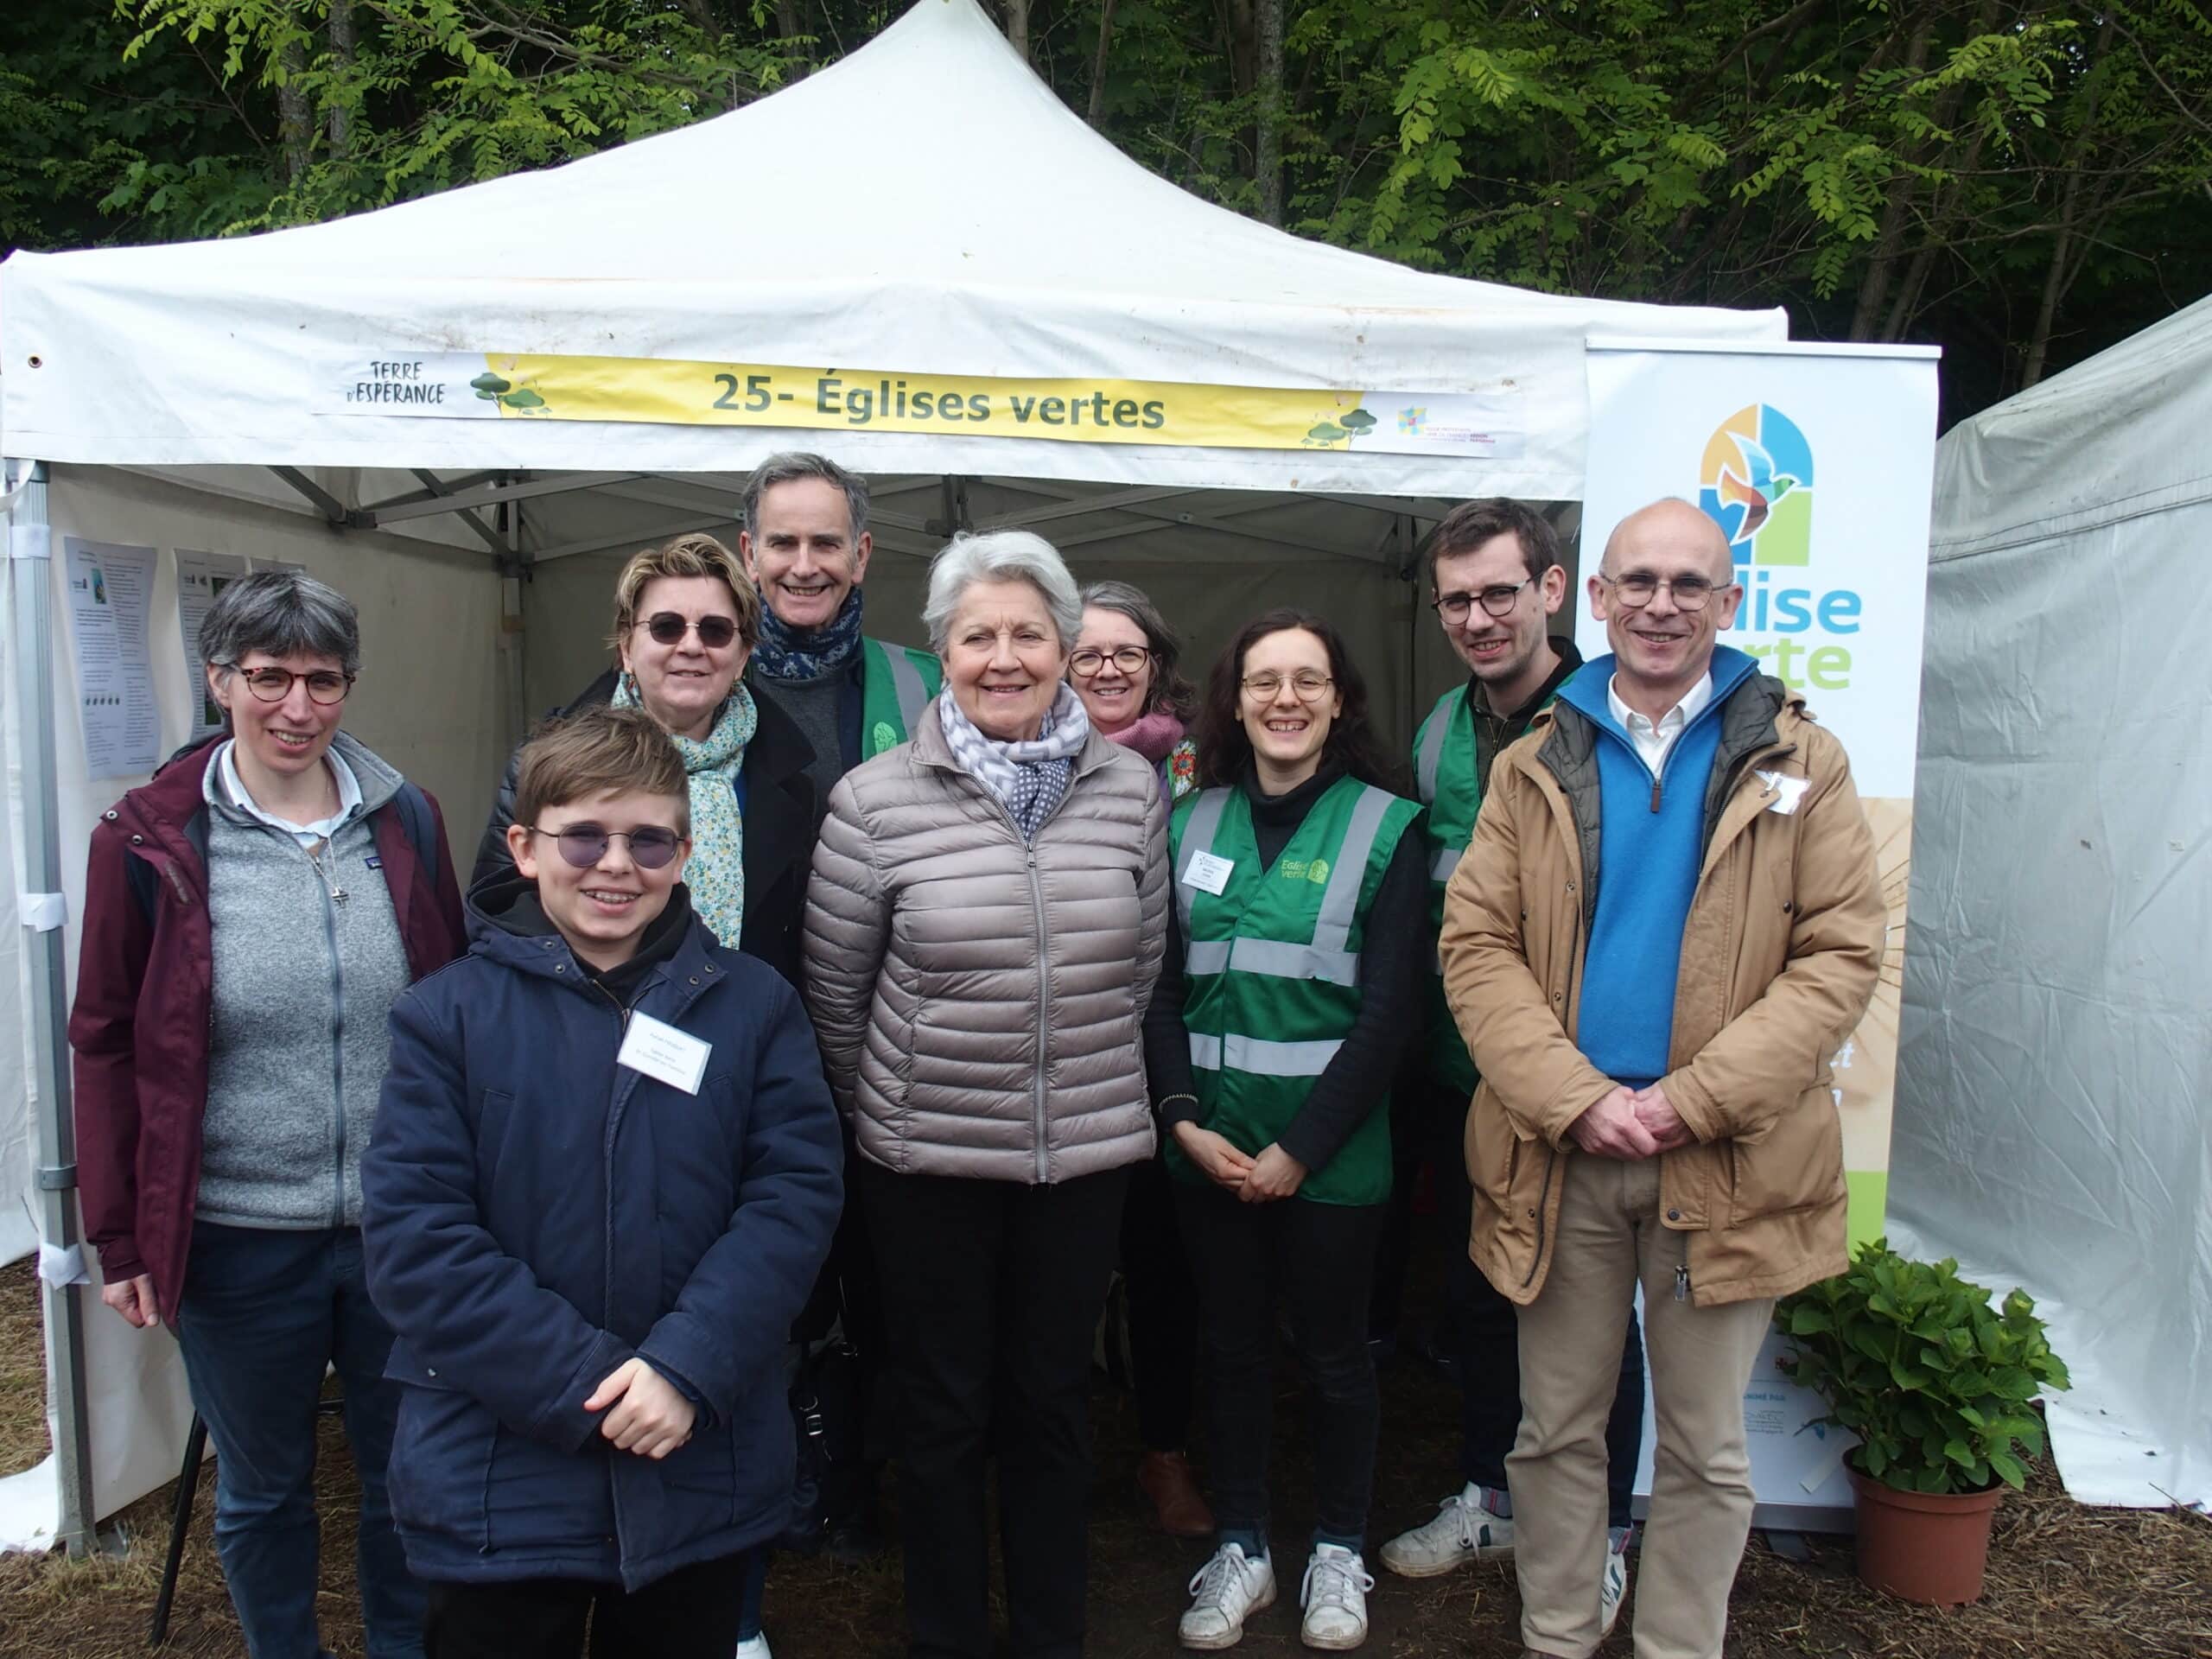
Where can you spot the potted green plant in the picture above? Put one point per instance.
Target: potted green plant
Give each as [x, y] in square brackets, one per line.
[1938, 1386]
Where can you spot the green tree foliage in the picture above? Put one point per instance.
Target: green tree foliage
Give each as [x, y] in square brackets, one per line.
[2023, 180]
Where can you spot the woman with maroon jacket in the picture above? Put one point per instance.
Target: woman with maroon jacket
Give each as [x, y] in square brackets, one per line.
[249, 917]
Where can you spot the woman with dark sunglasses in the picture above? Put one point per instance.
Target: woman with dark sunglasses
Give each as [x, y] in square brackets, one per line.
[251, 913]
[686, 621]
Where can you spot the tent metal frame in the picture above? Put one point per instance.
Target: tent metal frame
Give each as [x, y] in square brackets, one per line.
[465, 496]
[30, 556]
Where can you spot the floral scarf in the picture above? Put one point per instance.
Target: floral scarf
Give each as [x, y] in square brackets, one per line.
[715, 874]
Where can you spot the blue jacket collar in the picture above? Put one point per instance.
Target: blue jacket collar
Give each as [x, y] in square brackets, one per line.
[1587, 692]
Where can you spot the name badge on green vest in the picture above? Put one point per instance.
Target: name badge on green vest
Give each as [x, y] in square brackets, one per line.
[1209, 873]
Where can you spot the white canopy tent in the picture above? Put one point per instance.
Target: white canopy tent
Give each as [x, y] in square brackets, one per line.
[2054, 1123]
[926, 207]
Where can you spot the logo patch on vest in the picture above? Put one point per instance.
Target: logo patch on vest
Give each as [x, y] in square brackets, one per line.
[885, 738]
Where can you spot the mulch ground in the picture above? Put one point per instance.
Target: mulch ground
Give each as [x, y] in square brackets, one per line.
[2064, 1581]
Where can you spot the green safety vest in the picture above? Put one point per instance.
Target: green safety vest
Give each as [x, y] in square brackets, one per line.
[1271, 968]
[1451, 788]
[896, 683]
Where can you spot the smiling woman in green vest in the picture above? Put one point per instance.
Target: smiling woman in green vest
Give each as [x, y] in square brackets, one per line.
[1294, 965]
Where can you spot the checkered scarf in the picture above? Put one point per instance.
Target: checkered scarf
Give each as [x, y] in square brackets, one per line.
[1030, 779]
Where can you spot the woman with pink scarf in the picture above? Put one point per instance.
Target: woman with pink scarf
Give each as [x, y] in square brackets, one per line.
[1123, 668]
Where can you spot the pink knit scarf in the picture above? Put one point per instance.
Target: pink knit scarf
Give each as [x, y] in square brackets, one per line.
[1153, 735]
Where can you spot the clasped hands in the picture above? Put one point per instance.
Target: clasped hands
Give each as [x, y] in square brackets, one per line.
[650, 1416]
[1631, 1124]
[1273, 1174]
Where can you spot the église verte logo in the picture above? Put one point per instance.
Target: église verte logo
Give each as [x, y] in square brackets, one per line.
[1756, 484]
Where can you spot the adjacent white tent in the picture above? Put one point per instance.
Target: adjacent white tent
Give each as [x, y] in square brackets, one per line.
[2054, 1120]
[926, 206]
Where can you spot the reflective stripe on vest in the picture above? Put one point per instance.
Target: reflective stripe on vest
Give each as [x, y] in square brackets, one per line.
[1432, 754]
[1263, 1058]
[907, 686]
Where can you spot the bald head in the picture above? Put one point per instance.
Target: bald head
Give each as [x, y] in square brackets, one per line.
[1671, 525]
[1664, 590]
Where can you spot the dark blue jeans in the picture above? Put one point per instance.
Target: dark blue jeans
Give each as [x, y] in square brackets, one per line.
[264, 1313]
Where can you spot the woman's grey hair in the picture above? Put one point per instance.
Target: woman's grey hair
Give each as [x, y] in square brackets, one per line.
[283, 613]
[1001, 555]
[1170, 691]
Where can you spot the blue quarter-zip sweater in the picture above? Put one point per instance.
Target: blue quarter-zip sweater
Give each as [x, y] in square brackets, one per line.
[1650, 843]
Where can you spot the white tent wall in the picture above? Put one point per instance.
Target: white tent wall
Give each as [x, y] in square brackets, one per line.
[18, 1216]
[430, 697]
[2054, 1123]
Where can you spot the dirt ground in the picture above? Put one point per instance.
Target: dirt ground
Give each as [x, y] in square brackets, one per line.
[2064, 1581]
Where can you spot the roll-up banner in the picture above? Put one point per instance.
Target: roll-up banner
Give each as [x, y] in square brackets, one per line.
[1817, 462]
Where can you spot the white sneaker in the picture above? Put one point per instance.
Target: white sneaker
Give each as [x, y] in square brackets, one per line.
[1614, 1586]
[1223, 1591]
[1334, 1596]
[754, 1647]
[1464, 1531]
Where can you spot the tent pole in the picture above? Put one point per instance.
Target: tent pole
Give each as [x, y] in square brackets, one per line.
[29, 571]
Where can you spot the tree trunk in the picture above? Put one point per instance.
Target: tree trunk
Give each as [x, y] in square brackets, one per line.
[340, 122]
[1238, 38]
[295, 121]
[2063, 268]
[1267, 154]
[1017, 26]
[1888, 241]
[702, 17]
[789, 28]
[1098, 63]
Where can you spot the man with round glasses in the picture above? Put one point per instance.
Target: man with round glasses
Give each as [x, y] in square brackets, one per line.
[1668, 920]
[1496, 582]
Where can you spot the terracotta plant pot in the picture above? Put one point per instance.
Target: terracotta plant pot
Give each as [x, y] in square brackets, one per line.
[1925, 1547]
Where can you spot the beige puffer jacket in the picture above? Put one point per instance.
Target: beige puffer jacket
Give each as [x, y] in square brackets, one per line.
[980, 1003]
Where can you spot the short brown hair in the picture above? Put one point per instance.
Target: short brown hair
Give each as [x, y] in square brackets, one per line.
[599, 751]
[1470, 524]
[693, 553]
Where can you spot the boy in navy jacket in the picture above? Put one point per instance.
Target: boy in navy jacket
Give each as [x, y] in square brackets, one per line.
[605, 1173]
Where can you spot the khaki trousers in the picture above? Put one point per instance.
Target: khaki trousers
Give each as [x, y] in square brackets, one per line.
[1701, 1359]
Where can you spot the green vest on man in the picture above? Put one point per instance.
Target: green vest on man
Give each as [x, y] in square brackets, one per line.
[1453, 751]
[1271, 968]
[897, 683]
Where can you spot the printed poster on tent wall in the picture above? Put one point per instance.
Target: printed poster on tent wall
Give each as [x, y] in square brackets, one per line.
[1817, 462]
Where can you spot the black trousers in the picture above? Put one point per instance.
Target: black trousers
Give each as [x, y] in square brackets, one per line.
[992, 1293]
[850, 1292]
[1318, 1260]
[693, 1613]
[1481, 1335]
[1163, 1308]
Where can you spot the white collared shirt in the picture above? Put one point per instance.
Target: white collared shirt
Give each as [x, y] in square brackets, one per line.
[1652, 739]
[308, 834]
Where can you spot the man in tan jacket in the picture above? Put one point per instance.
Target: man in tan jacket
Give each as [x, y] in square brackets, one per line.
[1667, 922]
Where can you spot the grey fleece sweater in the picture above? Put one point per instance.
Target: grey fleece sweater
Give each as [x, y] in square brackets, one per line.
[303, 987]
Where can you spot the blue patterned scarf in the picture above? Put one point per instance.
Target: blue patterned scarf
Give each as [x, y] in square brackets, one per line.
[789, 653]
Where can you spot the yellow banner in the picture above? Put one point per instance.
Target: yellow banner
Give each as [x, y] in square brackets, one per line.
[455, 385]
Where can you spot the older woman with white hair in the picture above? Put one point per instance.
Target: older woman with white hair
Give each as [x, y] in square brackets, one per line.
[984, 930]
